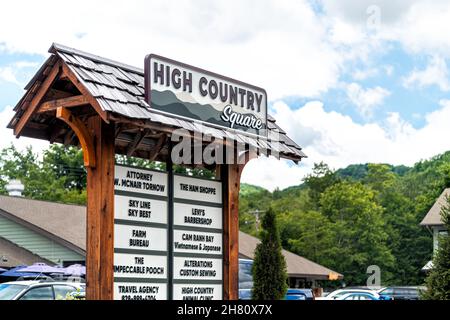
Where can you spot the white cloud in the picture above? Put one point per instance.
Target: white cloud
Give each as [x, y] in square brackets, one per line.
[339, 142]
[419, 25]
[8, 74]
[366, 99]
[271, 173]
[281, 46]
[424, 27]
[436, 73]
[25, 64]
[12, 72]
[365, 74]
[389, 70]
[8, 138]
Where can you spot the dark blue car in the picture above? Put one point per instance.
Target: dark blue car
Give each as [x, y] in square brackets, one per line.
[246, 284]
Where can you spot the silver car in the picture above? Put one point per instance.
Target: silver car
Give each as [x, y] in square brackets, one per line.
[39, 290]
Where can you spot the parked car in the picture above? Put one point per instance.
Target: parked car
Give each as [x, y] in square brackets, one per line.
[38, 290]
[245, 279]
[360, 296]
[402, 293]
[246, 284]
[335, 295]
[299, 294]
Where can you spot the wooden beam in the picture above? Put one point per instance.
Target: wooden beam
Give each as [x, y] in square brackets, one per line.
[82, 133]
[158, 147]
[54, 94]
[58, 130]
[70, 102]
[100, 214]
[119, 129]
[64, 78]
[231, 176]
[137, 141]
[37, 126]
[55, 71]
[69, 138]
[85, 92]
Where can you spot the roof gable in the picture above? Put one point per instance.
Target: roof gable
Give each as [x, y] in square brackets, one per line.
[433, 217]
[66, 224]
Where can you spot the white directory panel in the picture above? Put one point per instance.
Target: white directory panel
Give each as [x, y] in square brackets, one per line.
[197, 292]
[140, 291]
[192, 215]
[187, 269]
[128, 265]
[197, 242]
[197, 189]
[140, 181]
[140, 238]
[139, 209]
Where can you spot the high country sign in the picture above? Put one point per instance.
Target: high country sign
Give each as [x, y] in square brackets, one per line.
[190, 92]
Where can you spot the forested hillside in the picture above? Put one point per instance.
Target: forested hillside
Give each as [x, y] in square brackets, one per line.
[347, 219]
[359, 216]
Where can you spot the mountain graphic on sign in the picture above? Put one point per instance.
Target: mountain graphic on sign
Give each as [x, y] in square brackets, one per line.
[167, 101]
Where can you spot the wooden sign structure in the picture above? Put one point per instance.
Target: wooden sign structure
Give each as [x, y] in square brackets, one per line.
[151, 235]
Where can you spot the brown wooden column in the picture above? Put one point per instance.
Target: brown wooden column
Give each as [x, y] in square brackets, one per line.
[100, 213]
[231, 176]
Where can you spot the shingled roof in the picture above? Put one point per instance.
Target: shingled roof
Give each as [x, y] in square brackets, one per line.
[119, 91]
[66, 224]
[297, 266]
[433, 217]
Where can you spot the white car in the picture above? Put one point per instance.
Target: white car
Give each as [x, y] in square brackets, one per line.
[335, 295]
[366, 296]
[38, 290]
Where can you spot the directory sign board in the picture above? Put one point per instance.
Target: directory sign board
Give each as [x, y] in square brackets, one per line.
[140, 234]
[197, 239]
[168, 236]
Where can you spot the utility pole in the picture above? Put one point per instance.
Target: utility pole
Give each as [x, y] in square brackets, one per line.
[257, 213]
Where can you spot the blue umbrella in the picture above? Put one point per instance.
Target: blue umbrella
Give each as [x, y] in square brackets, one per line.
[14, 273]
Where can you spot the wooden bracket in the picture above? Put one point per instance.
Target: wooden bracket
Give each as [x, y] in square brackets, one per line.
[82, 133]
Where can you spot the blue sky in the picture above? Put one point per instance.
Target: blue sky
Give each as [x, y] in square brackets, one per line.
[354, 82]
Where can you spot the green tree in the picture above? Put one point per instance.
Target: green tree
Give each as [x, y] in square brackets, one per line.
[320, 180]
[315, 238]
[269, 268]
[40, 177]
[67, 163]
[402, 225]
[438, 280]
[360, 239]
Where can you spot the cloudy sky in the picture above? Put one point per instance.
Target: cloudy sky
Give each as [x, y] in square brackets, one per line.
[351, 81]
